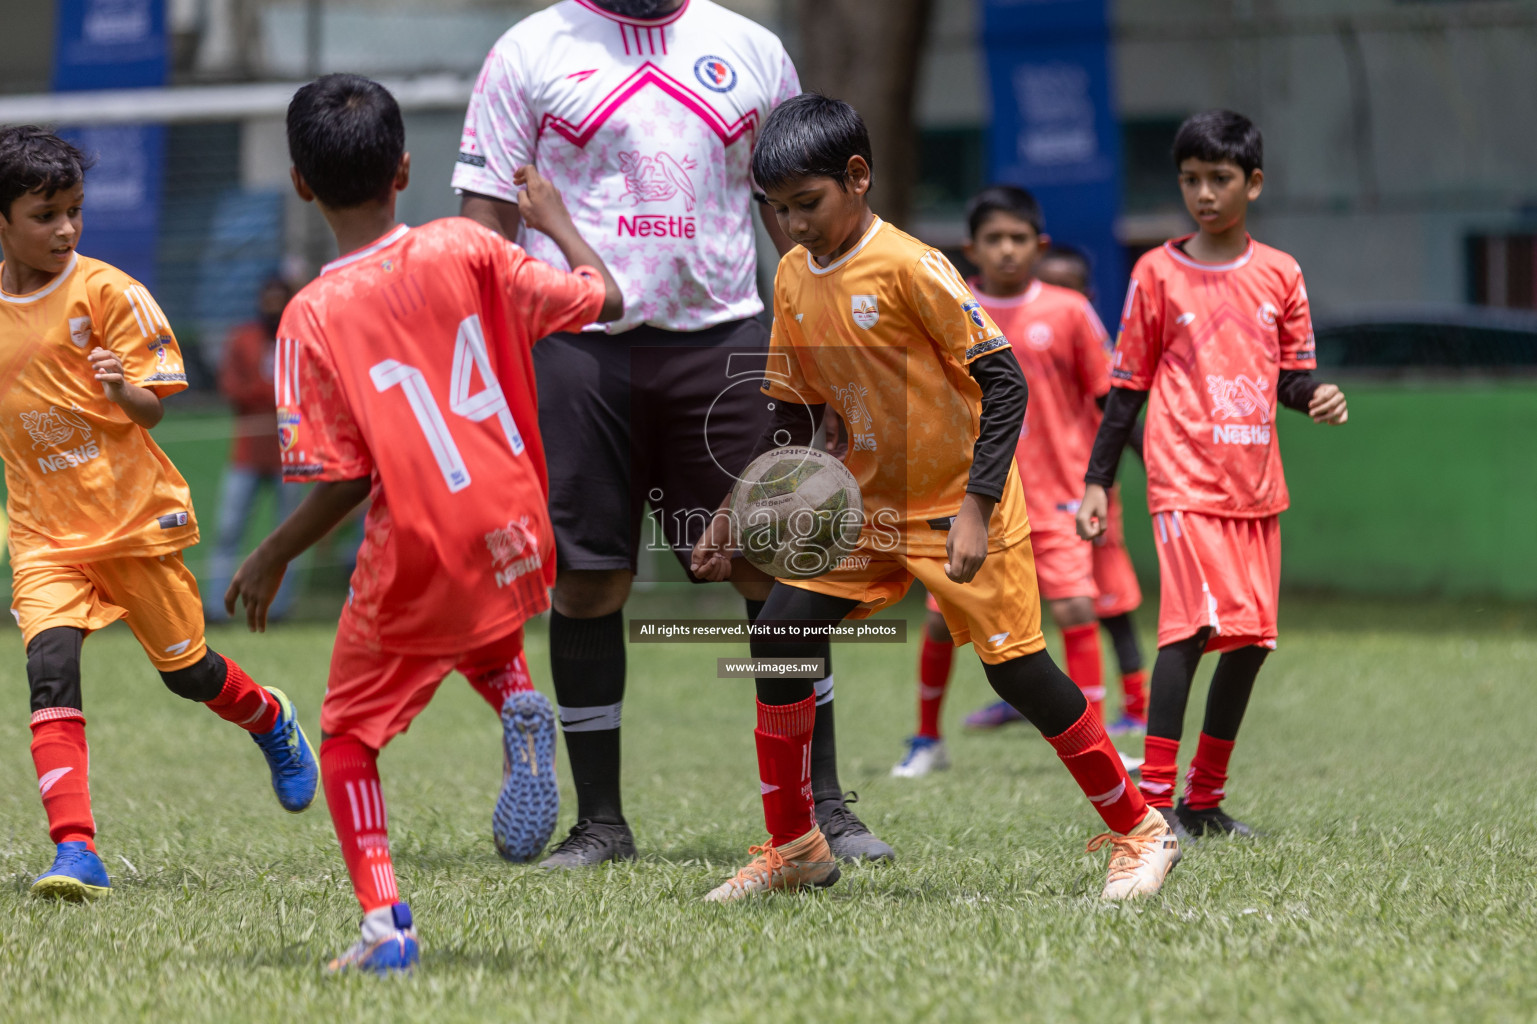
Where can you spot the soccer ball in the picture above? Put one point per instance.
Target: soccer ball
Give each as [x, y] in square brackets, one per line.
[798, 511]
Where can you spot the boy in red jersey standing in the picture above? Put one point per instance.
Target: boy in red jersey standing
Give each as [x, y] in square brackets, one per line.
[1215, 332]
[404, 375]
[1060, 345]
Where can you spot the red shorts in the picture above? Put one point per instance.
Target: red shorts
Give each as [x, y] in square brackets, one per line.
[1114, 575]
[1221, 573]
[1064, 564]
[373, 694]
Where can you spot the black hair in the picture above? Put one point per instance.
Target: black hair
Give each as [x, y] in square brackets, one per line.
[33, 159]
[1069, 252]
[809, 136]
[1217, 135]
[346, 138]
[1010, 199]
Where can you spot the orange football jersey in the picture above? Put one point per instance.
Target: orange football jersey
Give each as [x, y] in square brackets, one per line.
[84, 482]
[884, 335]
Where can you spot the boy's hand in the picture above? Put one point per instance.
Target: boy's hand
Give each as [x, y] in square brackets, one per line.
[256, 582]
[108, 369]
[966, 546]
[540, 204]
[1328, 405]
[1093, 512]
[711, 559]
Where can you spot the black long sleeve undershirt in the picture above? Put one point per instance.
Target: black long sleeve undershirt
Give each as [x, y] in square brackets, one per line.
[1004, 397]
[1135, 441]
[1294, 389]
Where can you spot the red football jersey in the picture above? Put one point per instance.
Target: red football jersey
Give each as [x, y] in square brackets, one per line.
[1209, 341]
[409, 362]
[1060, 345]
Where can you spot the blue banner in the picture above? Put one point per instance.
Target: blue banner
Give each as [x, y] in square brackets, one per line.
[1054, 128]
[117, 44]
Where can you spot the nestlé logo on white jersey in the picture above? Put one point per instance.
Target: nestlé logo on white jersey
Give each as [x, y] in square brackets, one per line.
[657, 179]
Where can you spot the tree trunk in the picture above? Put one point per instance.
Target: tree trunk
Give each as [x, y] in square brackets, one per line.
[867, 54]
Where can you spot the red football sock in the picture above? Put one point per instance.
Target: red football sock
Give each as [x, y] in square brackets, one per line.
[499, 682]
[1159, 770]
[1084, 665]
[1090, 756]
[933, 679]
[63, 765]
[350, 771]
[1208, 773]
[1134, 694]
[243, 702]
[784, 768]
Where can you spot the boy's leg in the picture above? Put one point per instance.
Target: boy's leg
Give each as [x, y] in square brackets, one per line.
[1128, 656]
[1001, 613]
[1080, 649]
[797, 854]
[529, 801]
[237, 495]
[165, 613]
[1173, 672]
[926, 749]
[1206, 782]
[371, 697]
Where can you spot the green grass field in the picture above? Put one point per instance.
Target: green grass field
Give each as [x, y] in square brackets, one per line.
[1387, 754]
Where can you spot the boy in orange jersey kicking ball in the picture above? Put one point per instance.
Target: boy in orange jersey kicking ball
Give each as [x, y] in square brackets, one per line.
[1060, 345]
[405, 373]
[99, 516]
[878, 322]
[1215, 332]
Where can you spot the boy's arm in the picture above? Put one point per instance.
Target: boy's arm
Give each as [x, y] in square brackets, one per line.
[1300, 390]
[542, 209]
[260, 575]
[1115, 432]
[1004, 396]
[141, 405]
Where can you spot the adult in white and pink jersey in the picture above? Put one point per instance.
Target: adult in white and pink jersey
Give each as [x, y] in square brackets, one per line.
[643, 113]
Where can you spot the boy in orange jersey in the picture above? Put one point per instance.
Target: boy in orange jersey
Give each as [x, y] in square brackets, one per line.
[881, 324]
[405, 374]
[1215, 331]
[99, 516]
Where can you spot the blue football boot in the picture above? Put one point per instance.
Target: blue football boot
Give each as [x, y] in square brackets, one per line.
[295, 774]
[388, 945]
[530, 799]
[76, 874]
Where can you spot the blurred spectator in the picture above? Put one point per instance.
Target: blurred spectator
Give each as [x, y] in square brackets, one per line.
[245, 378]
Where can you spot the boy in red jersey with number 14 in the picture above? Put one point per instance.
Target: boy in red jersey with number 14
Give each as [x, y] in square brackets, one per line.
[1215, 332]
[404, 373]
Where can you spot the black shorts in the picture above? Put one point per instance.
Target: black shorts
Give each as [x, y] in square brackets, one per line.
[665, 418]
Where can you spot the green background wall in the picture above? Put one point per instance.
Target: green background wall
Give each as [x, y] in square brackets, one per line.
[1430, 488]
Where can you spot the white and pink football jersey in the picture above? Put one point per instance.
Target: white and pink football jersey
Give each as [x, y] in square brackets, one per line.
[647, 129]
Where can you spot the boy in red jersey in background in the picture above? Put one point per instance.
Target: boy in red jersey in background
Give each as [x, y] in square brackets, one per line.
[881, 324]
[1215, 332]
[404, 375]
[1120, 594]
[99, 516]
[1060, 345]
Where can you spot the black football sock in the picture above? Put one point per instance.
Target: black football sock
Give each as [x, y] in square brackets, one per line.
[824, 738]
[1231, 685]
[1034, 686]
[587, 667]
[1173, 672]
[1123, 636]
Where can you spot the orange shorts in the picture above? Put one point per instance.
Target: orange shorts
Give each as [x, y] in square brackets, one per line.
[158, 597]
[1114, 575]
[999, 609]
[1218, 572]
[373, 694]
